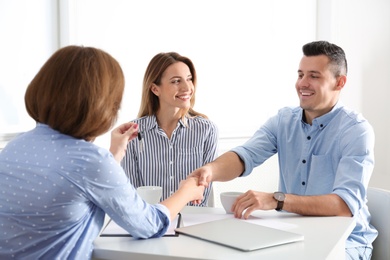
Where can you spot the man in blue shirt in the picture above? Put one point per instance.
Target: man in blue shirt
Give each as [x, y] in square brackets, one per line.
[325, 151]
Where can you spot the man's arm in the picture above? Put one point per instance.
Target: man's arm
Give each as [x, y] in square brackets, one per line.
[226, 167]
[319, 205]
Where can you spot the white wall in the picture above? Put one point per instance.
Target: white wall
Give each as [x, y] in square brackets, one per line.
[28, 32]
[239, 49]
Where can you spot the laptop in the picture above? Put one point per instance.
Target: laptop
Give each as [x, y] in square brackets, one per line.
[238, 234]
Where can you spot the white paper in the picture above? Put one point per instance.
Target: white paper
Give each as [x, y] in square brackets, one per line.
[193, 219]
[113, 229]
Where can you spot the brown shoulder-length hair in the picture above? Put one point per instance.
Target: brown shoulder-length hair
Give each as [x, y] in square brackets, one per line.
[78, 92]
[153, 74]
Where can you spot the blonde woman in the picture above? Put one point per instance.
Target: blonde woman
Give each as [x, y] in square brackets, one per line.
[173, 138]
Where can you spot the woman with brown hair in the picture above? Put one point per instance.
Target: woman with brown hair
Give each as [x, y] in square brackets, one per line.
[174, 139]
[56, 184]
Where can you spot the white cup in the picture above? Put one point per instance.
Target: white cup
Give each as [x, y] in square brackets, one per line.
[150, 194]
[228, 198]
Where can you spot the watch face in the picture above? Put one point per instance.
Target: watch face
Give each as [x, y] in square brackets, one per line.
[279, 196]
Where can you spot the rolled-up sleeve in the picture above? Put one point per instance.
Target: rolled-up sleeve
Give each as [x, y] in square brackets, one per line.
[356, 165]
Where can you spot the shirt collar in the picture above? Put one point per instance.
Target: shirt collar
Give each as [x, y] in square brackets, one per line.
[151, 123]
[323, 120]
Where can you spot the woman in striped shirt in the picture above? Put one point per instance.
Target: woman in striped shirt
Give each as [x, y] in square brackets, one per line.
[173, 139]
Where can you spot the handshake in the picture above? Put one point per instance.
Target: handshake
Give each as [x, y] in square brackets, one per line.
[198, 179]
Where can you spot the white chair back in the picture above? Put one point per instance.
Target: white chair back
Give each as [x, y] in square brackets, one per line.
[379, 207]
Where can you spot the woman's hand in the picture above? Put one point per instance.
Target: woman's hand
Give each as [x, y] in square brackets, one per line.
[120, 137]
[189, 190]
[203, 175]
[192, 189]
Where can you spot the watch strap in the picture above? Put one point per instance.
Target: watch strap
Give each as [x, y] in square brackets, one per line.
[279, 207]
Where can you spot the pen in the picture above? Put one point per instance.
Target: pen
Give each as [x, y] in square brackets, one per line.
[141, 141]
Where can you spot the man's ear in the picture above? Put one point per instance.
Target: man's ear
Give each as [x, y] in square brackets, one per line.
[341, 80]
[155, 89]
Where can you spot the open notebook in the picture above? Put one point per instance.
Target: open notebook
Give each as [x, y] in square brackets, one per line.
[239, 234]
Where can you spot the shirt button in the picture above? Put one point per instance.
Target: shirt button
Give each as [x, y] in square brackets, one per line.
[321, 125]
[170, 162]
[303, 183]
[303, 161]
[308, 138]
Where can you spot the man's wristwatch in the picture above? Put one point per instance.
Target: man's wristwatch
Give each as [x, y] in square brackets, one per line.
[279, 197]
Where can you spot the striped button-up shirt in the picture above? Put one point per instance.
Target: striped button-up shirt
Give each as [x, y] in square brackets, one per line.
[159, 161]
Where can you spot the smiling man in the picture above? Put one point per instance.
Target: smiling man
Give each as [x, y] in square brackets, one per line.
[325, 152]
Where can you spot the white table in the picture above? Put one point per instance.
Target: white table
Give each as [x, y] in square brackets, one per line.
[324, 238]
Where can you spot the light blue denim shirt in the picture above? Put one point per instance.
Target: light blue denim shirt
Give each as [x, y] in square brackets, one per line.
[55, 191]
[333, 155]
